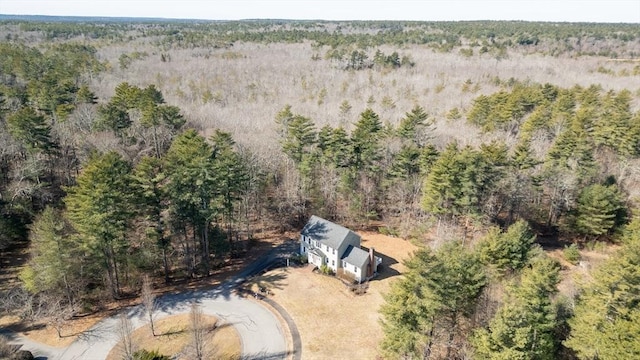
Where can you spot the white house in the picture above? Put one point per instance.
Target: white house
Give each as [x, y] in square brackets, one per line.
[326, 243]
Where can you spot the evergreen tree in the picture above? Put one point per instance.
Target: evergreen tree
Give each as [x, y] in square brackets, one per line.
[441, 187]
[31, 129]
[232, 176]
[192, 186]
[334, 146]
[365, 141]
[148, 178]
[406, 162]
[55, 257]
[425, 311]
[299, 138]
[113, 117]
[508, 251]
[524, 327]
[460, 181]
[412, 126]
[606, 321]
[100, 209]
[599, 210]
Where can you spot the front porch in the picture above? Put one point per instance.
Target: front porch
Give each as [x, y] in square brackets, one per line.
[316, 257]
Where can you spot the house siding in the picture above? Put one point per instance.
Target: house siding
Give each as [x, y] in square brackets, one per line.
[317, 241]
[360, 274]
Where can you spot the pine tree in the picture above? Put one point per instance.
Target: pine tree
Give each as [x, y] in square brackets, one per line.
[232, 176]
[508, 251]
[599, 210]
[31, 129]
[606, 321]
[460, 181]
[192, 186]
[412, 127]
[441, 187]
[100, 209]
[406, 162]
[334, 146]
[425, 311]
[524, 327]
[113, 117]
[148, 177]
[299, 138]
[365, 141]
[55, 257]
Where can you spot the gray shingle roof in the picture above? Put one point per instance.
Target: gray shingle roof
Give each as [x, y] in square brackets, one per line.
[327, 232]
[355, 256]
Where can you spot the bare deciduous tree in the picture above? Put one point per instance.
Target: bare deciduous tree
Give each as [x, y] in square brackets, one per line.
[125, 328]
[57, 314]
[148, 301]
[198, 332]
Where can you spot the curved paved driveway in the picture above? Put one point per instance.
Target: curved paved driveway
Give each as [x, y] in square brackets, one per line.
[260, 331]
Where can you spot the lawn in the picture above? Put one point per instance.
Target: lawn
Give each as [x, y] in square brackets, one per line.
[174, 339]
[335, 323]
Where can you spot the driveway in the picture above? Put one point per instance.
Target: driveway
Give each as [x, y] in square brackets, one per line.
[260, 331]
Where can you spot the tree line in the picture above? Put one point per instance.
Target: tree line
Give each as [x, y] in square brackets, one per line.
[553, 176]
[487, 36]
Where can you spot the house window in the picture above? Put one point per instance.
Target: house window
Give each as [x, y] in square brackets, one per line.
[304, 249]
[333, 251]
[344, 264]
[333, 263]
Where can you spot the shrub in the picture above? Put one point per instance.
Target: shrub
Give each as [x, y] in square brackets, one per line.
[389, 231]
[6, 350]
[326, 269]
[149, 355]
[298, 259]
[572, 254]
[22, 355]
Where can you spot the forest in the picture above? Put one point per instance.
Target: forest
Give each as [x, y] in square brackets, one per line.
[160, 147]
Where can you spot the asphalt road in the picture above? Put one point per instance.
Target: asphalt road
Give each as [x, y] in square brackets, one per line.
[260, 331]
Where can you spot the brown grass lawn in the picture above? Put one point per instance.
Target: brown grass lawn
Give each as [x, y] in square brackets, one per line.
[333, 322]
[174, 339]
[47, 334]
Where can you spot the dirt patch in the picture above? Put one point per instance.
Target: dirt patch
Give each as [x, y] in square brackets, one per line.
[222, 341]
[575, 276]
[334, 323]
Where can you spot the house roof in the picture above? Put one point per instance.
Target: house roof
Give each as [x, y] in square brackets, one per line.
[327, 232]
[356, 256]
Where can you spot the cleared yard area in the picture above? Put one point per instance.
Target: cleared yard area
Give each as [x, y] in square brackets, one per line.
[174, 339]
[334, 323]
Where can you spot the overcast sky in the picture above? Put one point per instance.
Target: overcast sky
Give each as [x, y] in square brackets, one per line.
[627, 11]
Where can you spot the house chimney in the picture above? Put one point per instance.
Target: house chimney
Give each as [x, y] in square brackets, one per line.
[372, 263]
